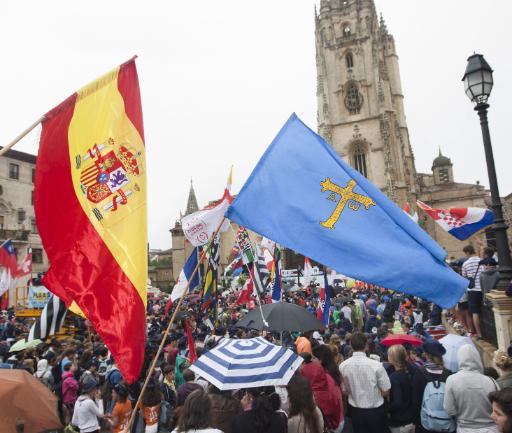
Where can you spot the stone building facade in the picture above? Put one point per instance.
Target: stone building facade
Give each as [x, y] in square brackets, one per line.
[360, 99]
[361, 113]
[17, 217]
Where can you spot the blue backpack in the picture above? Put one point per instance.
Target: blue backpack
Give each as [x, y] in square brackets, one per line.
[433, 415]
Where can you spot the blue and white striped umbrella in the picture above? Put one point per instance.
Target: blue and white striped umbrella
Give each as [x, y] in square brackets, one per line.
[236, 364]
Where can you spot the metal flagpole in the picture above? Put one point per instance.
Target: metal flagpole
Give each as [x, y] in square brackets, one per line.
[164, 338]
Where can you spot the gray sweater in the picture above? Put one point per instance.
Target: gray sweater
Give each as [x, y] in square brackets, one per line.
[467, 391]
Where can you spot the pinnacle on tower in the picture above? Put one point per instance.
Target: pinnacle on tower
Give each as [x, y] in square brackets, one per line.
[382, 25]
[192, 201]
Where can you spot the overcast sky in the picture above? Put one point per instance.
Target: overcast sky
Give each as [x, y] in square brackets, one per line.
[219, 78]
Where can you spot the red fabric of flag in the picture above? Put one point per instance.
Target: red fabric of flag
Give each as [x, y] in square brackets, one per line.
[245, 295]
[192, 355]
[91, 210]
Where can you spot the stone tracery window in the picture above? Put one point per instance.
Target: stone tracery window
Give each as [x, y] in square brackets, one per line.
[353, 99]
[349, 59]
[359, 158]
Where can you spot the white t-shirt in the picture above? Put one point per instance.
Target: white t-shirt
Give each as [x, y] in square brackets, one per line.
[471, 269]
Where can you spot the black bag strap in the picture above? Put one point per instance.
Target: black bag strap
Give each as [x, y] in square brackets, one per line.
[476, 272]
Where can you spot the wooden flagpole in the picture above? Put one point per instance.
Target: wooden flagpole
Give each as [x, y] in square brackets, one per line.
[21, 135]
[164, 338]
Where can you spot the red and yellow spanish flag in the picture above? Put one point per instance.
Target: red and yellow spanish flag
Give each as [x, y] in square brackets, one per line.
[90, 204]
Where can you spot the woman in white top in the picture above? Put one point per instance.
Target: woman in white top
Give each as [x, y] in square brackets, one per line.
[88, 409]
[196, 414]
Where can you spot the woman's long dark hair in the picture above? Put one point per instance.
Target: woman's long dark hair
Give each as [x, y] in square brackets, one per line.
[196, 412]
[302, 403]
[326, 357]
[503, 398]
[262, 407]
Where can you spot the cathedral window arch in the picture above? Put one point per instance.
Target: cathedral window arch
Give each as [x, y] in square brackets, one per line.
[359, 157]
[347, 31]
[353, 98]
[349, 59]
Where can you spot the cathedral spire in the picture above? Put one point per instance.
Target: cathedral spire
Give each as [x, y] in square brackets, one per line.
[192, 201]
[383, 26]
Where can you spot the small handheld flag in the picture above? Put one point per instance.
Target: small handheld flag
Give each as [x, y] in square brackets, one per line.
[199, 226]
[25, 267]
[411, 213]
[277, 287]
[324, 304]
[461, 223]
[8, 257]
[184, 277]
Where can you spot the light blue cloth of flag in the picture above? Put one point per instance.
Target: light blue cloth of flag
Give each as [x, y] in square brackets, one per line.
[291, 197]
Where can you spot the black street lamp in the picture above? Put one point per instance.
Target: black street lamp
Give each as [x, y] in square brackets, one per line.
[478, 85]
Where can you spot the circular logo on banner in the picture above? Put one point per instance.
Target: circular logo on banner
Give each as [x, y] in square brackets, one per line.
[196, 229]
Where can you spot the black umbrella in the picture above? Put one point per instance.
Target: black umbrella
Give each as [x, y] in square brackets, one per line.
[280, 316]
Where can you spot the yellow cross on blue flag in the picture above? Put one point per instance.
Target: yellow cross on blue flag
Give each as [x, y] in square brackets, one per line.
[319, 206]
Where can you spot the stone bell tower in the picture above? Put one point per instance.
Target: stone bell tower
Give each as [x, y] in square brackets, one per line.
[360, 100]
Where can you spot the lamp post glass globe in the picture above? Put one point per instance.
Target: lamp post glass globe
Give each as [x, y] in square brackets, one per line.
[477, 79]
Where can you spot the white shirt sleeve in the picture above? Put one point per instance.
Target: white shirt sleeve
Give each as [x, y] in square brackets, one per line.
[383, 379]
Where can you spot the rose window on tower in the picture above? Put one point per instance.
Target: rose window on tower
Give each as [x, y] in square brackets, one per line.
[353, 98]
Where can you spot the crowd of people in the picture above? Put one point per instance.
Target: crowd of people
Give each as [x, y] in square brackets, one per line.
[349, 379]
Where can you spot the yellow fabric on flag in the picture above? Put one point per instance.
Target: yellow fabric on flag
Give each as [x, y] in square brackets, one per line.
[123, 230]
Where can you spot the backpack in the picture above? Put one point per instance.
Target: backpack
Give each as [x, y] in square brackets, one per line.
[433, 416]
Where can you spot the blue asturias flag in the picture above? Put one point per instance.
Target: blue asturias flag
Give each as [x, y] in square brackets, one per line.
[324, 209]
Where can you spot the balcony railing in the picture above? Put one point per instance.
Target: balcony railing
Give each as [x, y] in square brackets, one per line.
[15, 235]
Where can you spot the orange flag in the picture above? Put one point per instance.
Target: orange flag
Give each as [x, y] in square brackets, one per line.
[90, 204]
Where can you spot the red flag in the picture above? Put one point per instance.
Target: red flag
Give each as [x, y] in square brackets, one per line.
[4, 301]
[192, 355]
[168, 306]
[25, 267]
[245, 294]
[8, 257]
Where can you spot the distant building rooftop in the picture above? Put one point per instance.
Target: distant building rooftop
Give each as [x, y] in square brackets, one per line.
[20, 156]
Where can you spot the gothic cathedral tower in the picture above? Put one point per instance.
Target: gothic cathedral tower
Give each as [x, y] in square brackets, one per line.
[360, 100]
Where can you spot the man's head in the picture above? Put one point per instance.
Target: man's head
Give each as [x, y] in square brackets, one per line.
[189, 375]
[358, 341]
[469, 250]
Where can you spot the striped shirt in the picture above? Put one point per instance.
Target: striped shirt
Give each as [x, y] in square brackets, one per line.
[470, 269]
